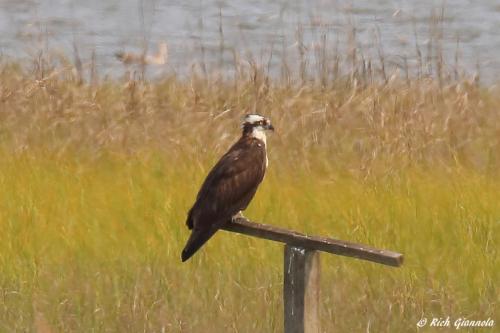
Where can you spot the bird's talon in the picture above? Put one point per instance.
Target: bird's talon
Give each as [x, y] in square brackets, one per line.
[238, 215]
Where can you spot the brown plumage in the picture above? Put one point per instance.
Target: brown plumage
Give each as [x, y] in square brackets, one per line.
[230, 185]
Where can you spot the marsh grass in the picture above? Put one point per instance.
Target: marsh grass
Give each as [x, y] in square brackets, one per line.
[94, 245]
[96, 177]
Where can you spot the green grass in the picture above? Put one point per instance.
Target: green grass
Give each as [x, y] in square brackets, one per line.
[94, 245]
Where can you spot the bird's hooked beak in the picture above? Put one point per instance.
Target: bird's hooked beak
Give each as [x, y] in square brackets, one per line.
[270, 127]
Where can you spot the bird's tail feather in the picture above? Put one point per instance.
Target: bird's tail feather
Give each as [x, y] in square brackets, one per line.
[196, 240]
[189, 220]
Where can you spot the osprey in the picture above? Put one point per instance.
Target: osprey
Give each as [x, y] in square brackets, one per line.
[230, 185]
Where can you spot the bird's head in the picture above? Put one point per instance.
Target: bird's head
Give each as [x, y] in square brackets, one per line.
[255, 123]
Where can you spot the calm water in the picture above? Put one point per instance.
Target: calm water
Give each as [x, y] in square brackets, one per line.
[248, 27]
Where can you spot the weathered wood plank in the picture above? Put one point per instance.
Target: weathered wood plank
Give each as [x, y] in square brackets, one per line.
[301, 290]
[343, 248]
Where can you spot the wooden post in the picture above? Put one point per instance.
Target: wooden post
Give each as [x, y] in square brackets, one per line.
[301, 268]
[301, 273]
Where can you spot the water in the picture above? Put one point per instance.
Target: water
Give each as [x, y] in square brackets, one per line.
[192, 30]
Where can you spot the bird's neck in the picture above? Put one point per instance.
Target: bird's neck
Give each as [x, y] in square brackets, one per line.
[256, 133]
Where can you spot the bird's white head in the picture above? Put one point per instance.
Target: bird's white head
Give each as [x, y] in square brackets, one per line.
[256, 126]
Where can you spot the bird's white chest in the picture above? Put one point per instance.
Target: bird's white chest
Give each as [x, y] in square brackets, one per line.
[260, 134]
[265, 152]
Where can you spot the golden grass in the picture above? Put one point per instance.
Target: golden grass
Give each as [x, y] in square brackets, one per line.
[96, 180]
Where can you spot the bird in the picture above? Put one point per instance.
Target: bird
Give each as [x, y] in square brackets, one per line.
[129, 58]
[230, 185]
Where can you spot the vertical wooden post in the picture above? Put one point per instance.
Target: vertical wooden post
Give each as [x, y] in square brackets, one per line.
[301, 290]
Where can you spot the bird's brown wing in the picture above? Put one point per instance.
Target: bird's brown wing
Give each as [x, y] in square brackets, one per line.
[228, 188]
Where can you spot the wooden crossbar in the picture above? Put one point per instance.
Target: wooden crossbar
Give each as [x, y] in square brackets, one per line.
[343, 248]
